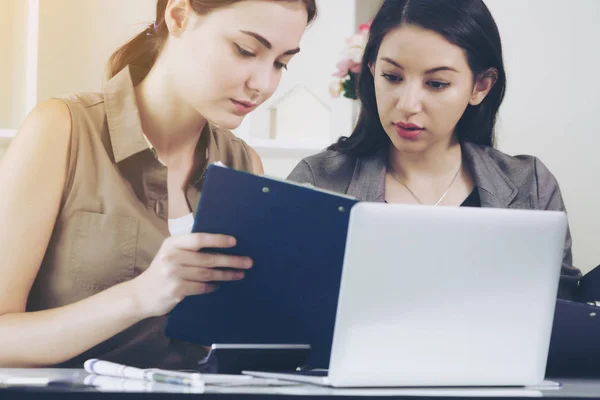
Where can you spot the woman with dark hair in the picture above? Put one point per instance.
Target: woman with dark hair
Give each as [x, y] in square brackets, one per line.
[431, 84]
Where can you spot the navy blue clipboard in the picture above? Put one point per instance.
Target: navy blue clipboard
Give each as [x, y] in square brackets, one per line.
[296, 236]
[575, 341]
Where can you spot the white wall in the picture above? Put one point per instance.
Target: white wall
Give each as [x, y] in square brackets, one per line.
[54, 47]
[13, 59]
[553, 101]
[7, 69]
[76, 38]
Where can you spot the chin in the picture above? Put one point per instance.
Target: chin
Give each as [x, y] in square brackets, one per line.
[226, 121]
[409, 147]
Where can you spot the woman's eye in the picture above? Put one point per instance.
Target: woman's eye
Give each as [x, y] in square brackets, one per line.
[280, 65]
[244, 52]
[391, 78]
[437, 85]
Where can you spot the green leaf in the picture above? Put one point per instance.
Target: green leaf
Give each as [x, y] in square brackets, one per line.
[349, 86]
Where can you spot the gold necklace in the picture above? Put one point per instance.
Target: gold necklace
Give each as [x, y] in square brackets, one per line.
[393, 173]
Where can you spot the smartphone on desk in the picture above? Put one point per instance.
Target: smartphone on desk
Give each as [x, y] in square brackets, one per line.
[235, 358]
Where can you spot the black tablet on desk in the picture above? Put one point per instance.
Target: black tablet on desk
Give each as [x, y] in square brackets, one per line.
[296, 236]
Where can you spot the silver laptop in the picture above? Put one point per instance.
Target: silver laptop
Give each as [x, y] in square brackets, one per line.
[444, 296]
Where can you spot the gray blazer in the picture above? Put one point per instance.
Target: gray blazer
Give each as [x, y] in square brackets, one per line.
[503, 181]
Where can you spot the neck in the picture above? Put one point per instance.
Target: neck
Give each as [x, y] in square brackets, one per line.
[439, 160]
[171, 125]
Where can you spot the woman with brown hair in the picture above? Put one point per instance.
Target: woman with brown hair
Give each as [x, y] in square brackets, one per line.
[100, 189]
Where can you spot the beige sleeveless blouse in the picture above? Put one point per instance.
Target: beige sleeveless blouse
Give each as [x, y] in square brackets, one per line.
[113, 217]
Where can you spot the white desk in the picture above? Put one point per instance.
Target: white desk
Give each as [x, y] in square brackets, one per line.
[571, 389]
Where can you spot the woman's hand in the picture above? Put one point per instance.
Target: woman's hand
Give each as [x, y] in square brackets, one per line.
[180, 269]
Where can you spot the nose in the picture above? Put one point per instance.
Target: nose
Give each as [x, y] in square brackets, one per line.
[409, 98]
[260, 79]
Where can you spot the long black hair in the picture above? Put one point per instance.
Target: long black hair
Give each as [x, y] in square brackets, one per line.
[465, 23]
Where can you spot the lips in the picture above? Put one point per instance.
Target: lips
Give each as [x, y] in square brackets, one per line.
[242, 106]
[248, 104]
[407, 130]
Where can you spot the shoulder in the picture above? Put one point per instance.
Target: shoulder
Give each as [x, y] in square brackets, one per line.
[82, 102]
[328, 169]
[87, 111]
[523, 170]
[44, 135]
[54, 109]
[90, 119]
[330, 162]
[49, 118]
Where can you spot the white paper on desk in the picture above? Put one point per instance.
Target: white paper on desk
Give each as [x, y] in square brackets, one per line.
[37, 377]
[113, 384]
[23, 381]
[227, 379]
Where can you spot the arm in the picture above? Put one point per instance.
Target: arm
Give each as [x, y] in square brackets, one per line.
[38, 161]
[550, 198]
[35, 164]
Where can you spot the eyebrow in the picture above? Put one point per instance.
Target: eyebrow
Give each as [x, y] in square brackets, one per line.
[429, 71]
[268, 44]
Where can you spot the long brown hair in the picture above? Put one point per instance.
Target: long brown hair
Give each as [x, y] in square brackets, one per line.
[143, 50]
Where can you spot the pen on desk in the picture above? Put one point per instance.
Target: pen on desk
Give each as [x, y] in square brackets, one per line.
[209, 379]
[174, 378]
[107, 368]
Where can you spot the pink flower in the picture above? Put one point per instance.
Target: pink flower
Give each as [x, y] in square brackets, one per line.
[357, 40]
[343, 66]
[355, 67]
[351, 61]
[364, 27]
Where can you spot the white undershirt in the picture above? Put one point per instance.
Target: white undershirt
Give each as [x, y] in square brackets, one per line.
[181, 225]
